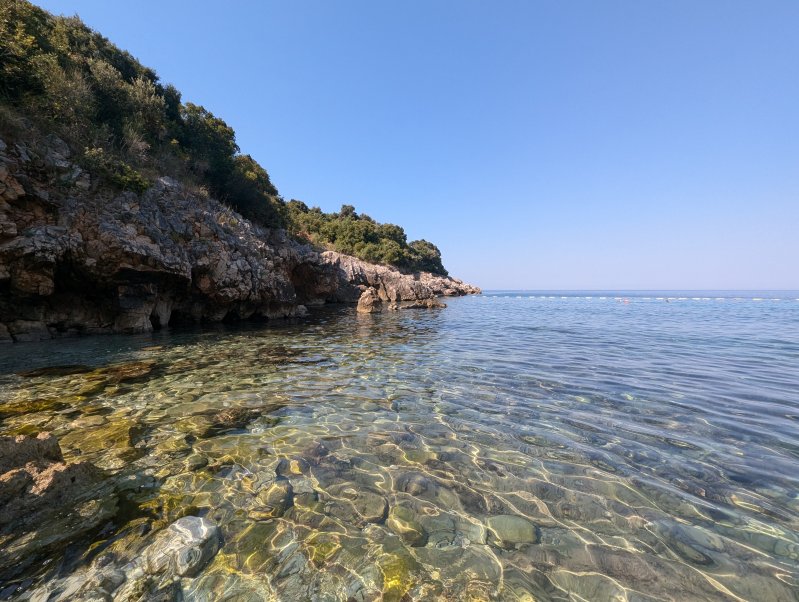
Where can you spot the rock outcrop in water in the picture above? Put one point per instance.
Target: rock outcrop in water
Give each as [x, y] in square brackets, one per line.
[181, 550]
[374, 302]
[75, 259]
[45, 502]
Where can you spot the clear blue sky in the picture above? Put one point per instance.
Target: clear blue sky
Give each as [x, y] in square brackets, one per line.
[540, 144]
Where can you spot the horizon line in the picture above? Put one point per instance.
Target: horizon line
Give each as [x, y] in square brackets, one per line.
[642, 290]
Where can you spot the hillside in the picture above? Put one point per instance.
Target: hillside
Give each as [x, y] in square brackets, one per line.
[76, 258]
[128, 129]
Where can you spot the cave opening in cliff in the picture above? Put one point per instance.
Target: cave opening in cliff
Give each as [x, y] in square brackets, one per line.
[304, 279]
[179, 317]
[68, 278]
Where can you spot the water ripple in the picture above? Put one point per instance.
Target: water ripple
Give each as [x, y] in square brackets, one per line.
[650, 449]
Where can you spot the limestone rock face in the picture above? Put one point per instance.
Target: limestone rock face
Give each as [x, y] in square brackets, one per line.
[445, 286]
[75, 259]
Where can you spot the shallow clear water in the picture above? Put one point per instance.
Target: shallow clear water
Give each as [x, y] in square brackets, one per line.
[512, 446]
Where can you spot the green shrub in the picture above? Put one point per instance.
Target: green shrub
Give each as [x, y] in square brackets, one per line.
[361, 236]
[117, 172]
[75, 83]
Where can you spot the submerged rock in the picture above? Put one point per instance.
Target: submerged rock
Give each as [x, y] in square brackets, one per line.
[196, 462]
[402, 521]
[112, 443]
[198, 426]
[415, 484]
[184, 548]
[68, 370]
[273, 501]
[24, 405]
[292, 466]
[233, 418]
[400, 573]
[350, 502]
[45, 502]
[150, 590]
[128, 371]
[508, 530]
[19, 451]
[204, 426]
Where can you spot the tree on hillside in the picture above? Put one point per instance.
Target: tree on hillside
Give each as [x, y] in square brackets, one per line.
[427, 257]
[211, 144]
[127, 128]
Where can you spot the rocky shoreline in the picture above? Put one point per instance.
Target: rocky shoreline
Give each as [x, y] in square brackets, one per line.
[48, 503]
[76, 259]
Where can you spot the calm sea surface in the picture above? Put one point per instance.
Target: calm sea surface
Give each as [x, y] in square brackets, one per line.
[513, 446]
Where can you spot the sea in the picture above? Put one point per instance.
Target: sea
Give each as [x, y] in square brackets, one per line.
[515, 445]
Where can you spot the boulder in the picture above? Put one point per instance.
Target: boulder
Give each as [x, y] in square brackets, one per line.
[56, 152]
[184, 548]
[10, 188]
[23, 331]
[370, 302]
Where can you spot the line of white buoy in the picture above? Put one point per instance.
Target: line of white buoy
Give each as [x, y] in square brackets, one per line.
[632, 299]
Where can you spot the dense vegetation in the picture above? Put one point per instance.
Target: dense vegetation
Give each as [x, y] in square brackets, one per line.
[130, 127]
[361, 236]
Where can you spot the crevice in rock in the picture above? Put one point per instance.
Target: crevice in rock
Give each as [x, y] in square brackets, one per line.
[305, 281]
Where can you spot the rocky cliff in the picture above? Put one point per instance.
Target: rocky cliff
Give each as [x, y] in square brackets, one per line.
[76, 258]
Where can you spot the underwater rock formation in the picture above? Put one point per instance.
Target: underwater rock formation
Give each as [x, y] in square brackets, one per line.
[184, 547]
[45, 502]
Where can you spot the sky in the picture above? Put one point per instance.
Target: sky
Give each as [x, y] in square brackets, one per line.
[540, 144]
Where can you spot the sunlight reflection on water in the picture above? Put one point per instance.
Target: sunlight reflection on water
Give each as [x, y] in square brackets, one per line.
[575, 448]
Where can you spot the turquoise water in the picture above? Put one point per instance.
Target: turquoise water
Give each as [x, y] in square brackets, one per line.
[513, 446]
